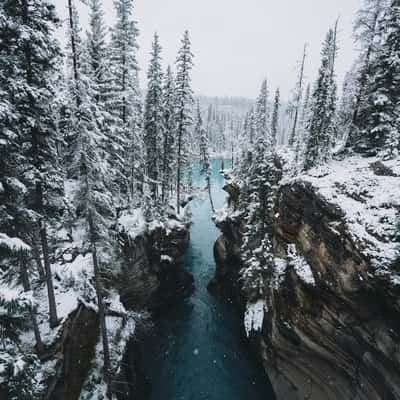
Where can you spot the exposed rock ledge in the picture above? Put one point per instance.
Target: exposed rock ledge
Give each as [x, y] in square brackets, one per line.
[152, 274]
[332, 331]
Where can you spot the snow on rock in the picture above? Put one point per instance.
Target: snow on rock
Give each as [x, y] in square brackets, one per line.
[279, 271]
[221, 214]
[254, 316]
[167, 258]
[134, 223]
[13, 243]
[370, 202]
[300, 265]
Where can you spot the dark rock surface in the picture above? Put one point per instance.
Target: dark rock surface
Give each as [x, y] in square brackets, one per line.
[337, 339]
[152, 275]
[76, 349]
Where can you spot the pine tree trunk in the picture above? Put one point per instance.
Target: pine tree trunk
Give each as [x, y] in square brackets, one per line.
[209, 193]
[74, 52]
[27, 287]
[178, 178]
[300, 88]
[38, 261]
[164, 169]
[100, 304]
[49, 280]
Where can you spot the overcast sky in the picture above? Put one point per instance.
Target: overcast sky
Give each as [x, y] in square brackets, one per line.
[237, 43]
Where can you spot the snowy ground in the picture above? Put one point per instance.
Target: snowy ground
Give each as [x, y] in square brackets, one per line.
[370, 203]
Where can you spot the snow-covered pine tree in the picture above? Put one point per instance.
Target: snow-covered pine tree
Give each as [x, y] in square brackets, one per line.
[153, 118]
[30, 58]
[262, 112]
[184, 106]
[168, 151]
[346, 108]
[275, 116]
[126, 99]
[97, 51]
[366, 30]
[302, 137]
[261, 178]
[94, 201]
[298, 94]
[321, 127]
[381, 125]
[18, 368]
[204, 158]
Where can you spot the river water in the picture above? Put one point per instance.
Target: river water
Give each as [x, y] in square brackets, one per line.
[197, 351]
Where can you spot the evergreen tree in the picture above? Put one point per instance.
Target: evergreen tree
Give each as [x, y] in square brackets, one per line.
[298, 97]
[94, 201]
[261, 179]
[184, 105]
[302, 137]
[381, 124]
[126, 103]
[205, 165]
[275, 117]
[29, 64]
[153, 117]
[366, 31]
[169, 123]
[262, 115]
[97, 51]
[321, 127]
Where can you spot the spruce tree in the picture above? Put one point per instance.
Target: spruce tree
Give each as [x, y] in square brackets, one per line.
[94, 201]
[30, 58]
[298, 97]
[126, 99]
[261, 179]
[153, 117]
[184, 105]
[168, 142]
[275, 117]
[381, 125]
[366, 30]
[205, 165]
[321, 127]
[302, 137]
[262, 114]
[97, 51]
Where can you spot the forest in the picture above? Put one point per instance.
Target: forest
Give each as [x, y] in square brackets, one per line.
[96, 175]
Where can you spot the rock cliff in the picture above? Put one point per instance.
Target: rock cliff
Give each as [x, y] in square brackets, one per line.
[151, 274]
[331, 313]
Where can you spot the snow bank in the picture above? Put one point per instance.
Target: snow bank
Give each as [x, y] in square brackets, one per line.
[370, 204]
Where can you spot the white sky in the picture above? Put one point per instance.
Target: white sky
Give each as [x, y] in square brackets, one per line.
[239, 42]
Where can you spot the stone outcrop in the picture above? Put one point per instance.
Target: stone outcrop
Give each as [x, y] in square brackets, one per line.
[336, 338]
[152, 275]
[153, 272]
[75, 351]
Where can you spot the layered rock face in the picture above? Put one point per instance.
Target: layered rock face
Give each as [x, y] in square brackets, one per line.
[331, 326]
